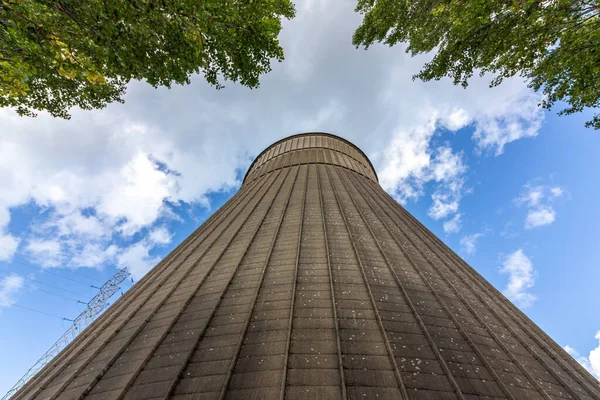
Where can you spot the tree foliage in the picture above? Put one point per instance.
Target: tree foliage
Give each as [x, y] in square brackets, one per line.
[554, 44]
[56, 54]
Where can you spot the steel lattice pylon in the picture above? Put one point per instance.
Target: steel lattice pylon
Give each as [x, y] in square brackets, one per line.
[93, 308]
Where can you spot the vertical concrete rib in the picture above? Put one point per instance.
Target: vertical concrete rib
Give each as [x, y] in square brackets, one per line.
[371, 298]
[457, 323]
[422, 325]
[153, 312]
[505, 348]
[295, 282]
[142, 364]
[200, 335]
[256, 293]
[516, 315]
[90, 386]
[333, 302]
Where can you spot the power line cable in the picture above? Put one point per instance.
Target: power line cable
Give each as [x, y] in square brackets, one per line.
[69, 270]
[60, 295]
[56, 294]
[5, 271]
[41, 312]
[56, 287]
[46, 271]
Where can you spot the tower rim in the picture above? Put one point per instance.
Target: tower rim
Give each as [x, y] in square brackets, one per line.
[308, 134]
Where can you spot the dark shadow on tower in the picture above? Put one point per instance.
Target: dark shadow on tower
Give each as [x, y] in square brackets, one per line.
[312, 283]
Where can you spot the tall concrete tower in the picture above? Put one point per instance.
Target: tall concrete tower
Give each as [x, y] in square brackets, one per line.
[312, 283]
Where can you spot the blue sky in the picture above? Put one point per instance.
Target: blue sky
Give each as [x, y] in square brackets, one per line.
[511, 188]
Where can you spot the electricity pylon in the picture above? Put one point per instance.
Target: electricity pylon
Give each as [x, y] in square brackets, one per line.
[93, 308]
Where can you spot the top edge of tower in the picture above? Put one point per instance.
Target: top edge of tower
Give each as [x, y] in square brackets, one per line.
[262, 156]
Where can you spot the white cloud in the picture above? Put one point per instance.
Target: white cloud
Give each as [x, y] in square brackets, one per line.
[4, 217]
[77, 223]
[521, 278]
[72, 250]
[453, 225]
[137, 259]
[447, 166]
[138, 193]
[539, 200]
[457, 119]
[595, 357]
[8, 242]
[539, 217]
[469, 242]
[160, 235]
[10, 286]
[531, 195]
[8, 246]
[521, 118]
[556, 191]
[411, 162]
[46, 252]
[407, 161]
[93, 255]
[443, 205]
[592, 362]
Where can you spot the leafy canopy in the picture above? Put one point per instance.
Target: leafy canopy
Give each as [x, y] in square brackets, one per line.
[554, 44]
[56, 54]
